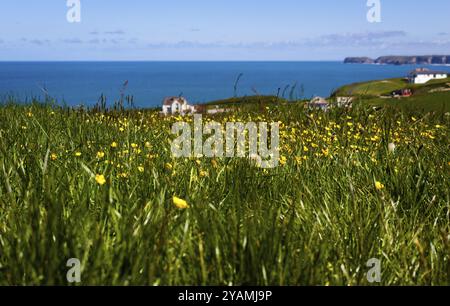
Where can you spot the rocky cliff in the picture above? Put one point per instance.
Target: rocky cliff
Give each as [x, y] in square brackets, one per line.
[359, 60]
[402, 60]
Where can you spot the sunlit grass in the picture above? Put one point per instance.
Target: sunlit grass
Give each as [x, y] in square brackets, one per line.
[104, 188]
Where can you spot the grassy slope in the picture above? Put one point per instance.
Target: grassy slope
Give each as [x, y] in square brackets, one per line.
[384, 87]
[317, 219]
[422, 100]
[371, 88]
[247, 100]
[439, 102]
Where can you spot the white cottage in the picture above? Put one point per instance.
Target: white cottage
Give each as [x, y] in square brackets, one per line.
[423, 75]
[176, 105]
[319, 102]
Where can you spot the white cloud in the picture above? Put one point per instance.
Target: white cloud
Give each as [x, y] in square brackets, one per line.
[117, 32]
[331, 40]
[73, 41]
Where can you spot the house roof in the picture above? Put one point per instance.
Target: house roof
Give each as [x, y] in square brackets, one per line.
[318, 100]
[172, 100]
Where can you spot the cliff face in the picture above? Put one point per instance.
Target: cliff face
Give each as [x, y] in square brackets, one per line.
[402, 60]
[359, 60]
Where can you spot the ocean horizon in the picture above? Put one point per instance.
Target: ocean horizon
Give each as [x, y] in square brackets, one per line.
[149, 82]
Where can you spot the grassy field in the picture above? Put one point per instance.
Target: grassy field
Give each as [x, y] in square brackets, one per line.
[100, 187]
[386, 87]
[428, 97]
[430, 102]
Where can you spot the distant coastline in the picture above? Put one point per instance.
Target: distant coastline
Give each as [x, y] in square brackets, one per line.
[401, 60]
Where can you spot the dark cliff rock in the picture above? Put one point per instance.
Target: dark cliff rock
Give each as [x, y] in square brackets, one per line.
[359, 60]
[402, 60]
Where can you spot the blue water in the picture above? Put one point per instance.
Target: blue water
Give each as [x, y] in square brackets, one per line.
[149, 82]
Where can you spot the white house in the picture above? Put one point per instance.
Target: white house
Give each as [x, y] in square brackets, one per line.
[318, 102]
[423, 75]
[176, 105]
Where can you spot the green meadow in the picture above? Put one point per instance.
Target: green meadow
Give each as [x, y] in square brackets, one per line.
[102, 186]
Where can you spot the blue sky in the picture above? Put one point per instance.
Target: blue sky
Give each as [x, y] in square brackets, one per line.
[221, 29]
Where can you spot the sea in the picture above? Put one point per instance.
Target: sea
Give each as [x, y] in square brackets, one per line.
[83, 83]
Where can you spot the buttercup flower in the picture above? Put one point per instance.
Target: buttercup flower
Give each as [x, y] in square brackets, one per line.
[100, 179]
[123, 175]
[180, 203]
[379, 185]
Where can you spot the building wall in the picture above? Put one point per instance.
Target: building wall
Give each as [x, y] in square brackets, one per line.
[179, 107]
[176, 107]
[424, 78]
[166, 109]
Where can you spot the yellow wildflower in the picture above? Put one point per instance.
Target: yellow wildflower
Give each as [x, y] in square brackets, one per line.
[123, 175]
[379, 185]
[180, 203]
[141, 169]
[214, 163]
[100, 154]
[114, 145]
[100, 179]
[77, 154]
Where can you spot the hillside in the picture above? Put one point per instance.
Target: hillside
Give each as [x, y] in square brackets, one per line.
[432, 96]
[238, 101]
[431, 102]
[385, 87]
